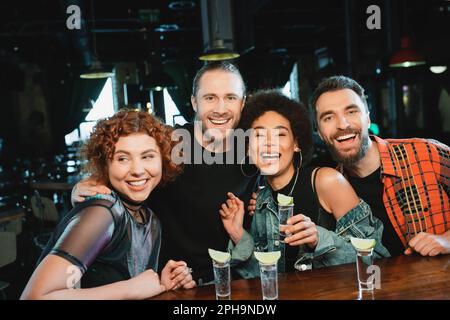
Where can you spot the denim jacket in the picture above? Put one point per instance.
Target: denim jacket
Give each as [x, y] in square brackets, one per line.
[333, 247]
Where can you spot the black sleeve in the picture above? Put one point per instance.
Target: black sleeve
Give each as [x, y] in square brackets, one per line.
[85, 236]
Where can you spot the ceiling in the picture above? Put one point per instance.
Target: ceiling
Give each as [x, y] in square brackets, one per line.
[269, 34]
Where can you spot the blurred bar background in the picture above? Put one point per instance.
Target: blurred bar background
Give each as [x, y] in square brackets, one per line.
[65, 64]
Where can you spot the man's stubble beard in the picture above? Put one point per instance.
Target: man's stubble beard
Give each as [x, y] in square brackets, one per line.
[350, 160]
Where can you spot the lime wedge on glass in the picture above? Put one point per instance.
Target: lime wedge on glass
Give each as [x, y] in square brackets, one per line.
[363, 244]
[284, 200]
[219, 256]
[267, 257]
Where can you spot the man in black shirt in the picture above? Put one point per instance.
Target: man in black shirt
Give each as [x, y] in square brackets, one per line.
[406, 182]
[370, 189]
[189, 207]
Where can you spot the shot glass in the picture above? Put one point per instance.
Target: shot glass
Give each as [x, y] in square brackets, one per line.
[222, 280]
[364, 259]
[269, 281]
[284, 213]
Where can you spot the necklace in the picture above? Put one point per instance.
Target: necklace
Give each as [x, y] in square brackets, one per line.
[138, 211]
[144, 224]
[128, 202]
[295, 182]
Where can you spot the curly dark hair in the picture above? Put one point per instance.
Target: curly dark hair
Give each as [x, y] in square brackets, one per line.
[273, 100]
[101, 145]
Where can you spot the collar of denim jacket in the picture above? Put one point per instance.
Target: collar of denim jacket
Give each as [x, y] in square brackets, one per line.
[265, 199]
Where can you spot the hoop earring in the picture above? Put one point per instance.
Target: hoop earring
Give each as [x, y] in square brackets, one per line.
[243, 171]
[300, 162]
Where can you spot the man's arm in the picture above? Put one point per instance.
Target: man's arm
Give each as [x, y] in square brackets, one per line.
[87, 188]
[428, 244]
[442, 167]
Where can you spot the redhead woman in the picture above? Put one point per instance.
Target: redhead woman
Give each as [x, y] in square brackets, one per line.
[108, 247]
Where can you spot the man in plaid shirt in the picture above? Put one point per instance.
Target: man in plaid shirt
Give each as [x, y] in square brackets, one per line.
[405, 181]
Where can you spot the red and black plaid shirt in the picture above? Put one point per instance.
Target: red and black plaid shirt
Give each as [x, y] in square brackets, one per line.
[416, 177]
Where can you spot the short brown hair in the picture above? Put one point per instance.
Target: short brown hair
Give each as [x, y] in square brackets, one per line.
[216, 65]
[336, 83]
[101, 145]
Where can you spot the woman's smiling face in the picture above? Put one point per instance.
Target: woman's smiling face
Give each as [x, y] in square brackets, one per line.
[272, 144]
[136, 166]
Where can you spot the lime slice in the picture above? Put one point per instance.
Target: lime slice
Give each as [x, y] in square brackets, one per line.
[285, 200]
[219, 256]
[363, 244]
[267, 257]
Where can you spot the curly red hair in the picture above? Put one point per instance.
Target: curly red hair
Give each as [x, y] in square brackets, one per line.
[101, 145]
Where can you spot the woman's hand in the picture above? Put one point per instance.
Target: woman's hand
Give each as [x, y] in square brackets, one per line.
[145, 285]
[232, 214]
[87, 188]
[302, 230]
[176, 274]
